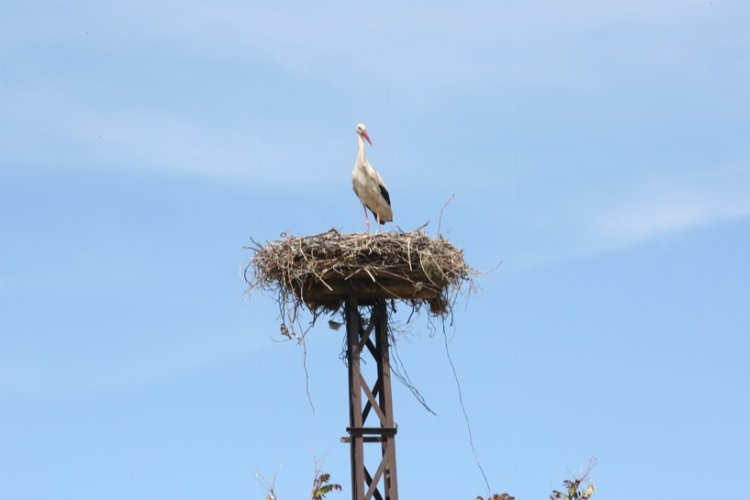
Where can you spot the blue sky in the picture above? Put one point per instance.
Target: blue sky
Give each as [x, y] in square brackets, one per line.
[601, 150]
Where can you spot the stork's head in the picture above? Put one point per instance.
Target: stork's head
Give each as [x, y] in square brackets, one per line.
[362, 131]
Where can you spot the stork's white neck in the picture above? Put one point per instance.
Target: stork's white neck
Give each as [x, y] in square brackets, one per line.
[360, 149]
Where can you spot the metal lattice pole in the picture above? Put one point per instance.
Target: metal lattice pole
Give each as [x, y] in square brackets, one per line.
[377, 400]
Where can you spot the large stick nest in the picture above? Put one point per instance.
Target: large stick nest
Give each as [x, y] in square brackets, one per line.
[322, 270]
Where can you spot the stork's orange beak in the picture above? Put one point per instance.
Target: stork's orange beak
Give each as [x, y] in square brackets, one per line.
[364, 134]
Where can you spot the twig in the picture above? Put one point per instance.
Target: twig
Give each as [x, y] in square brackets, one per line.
[463, 409]
[267, 485]
[492, 269]
[405, 379]
[440, 220]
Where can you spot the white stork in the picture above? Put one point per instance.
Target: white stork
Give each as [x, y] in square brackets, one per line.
[368, 184]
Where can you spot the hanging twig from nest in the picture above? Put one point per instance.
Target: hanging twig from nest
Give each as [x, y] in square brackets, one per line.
[319, 272]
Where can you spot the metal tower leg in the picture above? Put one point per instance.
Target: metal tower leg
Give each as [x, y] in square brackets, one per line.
[377, 398]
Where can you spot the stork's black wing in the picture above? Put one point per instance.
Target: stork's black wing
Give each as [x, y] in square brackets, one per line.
[384, 193]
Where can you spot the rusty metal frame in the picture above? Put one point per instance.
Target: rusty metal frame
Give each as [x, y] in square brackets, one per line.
[377, 399]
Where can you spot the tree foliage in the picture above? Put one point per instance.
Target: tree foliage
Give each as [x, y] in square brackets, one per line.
[572, 488]
[322, 486]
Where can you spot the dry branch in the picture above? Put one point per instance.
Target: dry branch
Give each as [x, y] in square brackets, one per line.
[322, 270]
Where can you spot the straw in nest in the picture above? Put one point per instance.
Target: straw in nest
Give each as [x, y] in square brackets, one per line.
[324, 269]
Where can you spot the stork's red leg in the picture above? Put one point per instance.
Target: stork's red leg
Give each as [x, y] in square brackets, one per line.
[377, 219]
[367, 219]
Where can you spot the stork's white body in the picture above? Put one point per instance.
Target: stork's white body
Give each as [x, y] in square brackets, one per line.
[369, 186]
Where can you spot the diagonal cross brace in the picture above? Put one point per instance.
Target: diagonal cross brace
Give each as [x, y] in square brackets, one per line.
[377, 397]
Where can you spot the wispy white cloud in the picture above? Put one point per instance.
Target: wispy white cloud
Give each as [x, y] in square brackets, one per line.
[47, 126]
[676, 204]
[52, 366]
[446, 46]
[600, 219]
